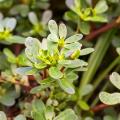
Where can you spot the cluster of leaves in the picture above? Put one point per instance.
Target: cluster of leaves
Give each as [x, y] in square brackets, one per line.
[83, 13]
[58, 56]
[43, 70]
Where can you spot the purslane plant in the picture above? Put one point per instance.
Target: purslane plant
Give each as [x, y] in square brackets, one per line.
[11, 82]
[56, 58]
[39, 27]
[7, 26]
[83, 13]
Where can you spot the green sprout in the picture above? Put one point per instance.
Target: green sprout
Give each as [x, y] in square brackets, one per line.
[84, 13]
[39, 28]
[7, 26]
[58, 56]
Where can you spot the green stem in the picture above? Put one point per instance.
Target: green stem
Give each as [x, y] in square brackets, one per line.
[101, 77]
[96, 58]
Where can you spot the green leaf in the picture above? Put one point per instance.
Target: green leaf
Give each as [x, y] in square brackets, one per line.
[69, 15]
[20, 117]
[19, 9]
[89, 118]
[10, 23]
[115, 79]
[73, 46]
[47, 81]
[62, 31]
[83, 105]
[101, 7]
[86, 51]
[74, 38]
[33, 18]
[86, 90]
[84, 27]
[81, 69]
[2, 116]
[72, 77]
[97, 18]
[16, 39]
[109, 99]
[66, 85]
[40, 65]
[67, 114]
[49, 113]
[10, 56]
[3, 62]
[26, 70]
[108, 117]
[55, 73]
[118, 50]
[32, 48]
[76, 63]
[70, 3]
[38, 89]
[52, 25]
[46, 16]
[38, 110]
[52, 37]
[8, 99]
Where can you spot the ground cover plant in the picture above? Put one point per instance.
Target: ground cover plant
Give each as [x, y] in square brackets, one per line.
[58, 59]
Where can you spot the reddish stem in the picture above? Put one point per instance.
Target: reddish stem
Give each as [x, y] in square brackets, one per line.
[17, 48]
[62, 69]
[99, 107]
[103, 29]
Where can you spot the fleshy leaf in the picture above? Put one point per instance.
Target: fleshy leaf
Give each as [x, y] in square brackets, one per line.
[38, 111]
[86, 51]
[70, 3]
[84, 27]
[32, 48]
[62, 31]
[47, 15]
[10, 23]
[38, 89]
[115, 79]
[71, 76]
[20, 117]
[16, 39]
[26, 70]
[118, 50]
[52, 25]
[101, 7]
[67, 114]
[86, 90]
[74, 38]
[66, 85]
[10, 56]
[33, 18]
[109, 99]
[49, 113]
[83, 105]
[52, 38]
[2, 116]
[76, 63]
[55, 73]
